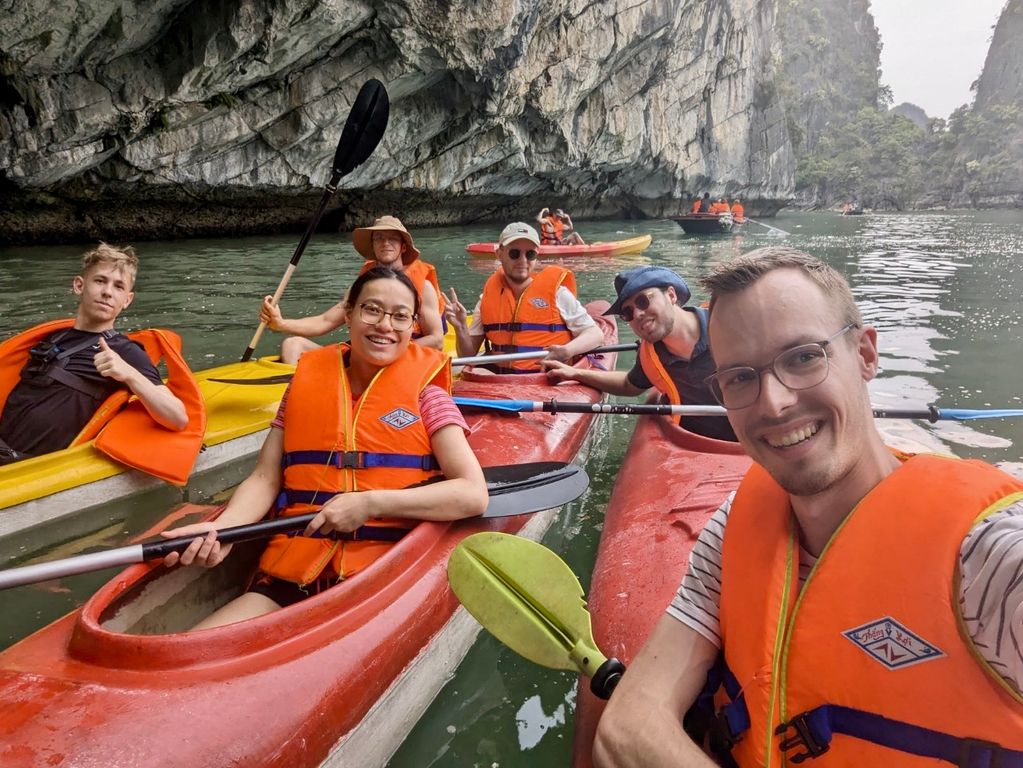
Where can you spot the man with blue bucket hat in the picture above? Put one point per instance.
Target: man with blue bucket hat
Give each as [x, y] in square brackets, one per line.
[674, 353]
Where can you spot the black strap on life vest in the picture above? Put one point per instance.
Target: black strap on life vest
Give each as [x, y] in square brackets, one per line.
[48, 361]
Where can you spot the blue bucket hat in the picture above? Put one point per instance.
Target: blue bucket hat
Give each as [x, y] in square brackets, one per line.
[632, 281]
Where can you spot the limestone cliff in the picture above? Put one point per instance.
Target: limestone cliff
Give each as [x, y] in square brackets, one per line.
[130, 119]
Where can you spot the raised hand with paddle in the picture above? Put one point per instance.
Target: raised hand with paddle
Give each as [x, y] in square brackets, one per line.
[363, 130]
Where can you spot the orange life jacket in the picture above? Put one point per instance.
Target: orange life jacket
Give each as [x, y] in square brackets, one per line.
[738, 212]
[527, 324]
[696, 205]
[128, 435]
[871, 650]
[420, 273]
[333, 446]
[552, 231]
[656, 373]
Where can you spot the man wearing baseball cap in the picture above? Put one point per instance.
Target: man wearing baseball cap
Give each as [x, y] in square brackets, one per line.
[387, 244]
[674, 353]
[525, 308]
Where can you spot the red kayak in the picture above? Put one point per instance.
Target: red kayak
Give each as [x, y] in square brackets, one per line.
[338, 679]
[631, 245]
[670, 484]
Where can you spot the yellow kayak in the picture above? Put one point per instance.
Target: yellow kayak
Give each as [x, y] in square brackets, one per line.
[612, 248]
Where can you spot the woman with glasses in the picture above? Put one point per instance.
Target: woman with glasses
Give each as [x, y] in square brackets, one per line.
[525, 308]
[674, 353]
[367, 436]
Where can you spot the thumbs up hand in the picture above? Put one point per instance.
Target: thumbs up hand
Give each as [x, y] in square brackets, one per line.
[110, 364]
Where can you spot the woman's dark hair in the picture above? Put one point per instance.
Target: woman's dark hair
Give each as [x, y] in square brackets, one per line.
[382, 273]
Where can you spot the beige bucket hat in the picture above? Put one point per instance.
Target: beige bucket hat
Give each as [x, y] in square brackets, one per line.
[362, 238]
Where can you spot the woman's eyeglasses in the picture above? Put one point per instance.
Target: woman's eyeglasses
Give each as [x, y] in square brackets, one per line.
[515, 253]
[371, 314]
[641, 303]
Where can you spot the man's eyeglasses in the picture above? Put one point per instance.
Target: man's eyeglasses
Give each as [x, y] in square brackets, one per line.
[515, 253]
[797, 368]
[371, 314]
[641, 303]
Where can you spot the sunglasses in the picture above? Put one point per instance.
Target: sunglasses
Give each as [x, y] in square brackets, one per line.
[515, 253]
[641, 303]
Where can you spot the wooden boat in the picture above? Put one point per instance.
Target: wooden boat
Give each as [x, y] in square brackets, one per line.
[71, 482]
[705, 223]
[652, 522]
[336, 680]
[630, 246]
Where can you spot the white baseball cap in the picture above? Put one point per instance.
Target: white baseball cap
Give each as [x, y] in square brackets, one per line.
[518, 230]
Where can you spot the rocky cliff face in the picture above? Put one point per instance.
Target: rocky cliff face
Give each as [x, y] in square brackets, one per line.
[129, 119]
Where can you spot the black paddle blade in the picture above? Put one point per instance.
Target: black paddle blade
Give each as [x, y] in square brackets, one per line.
[363, 130]
[518, 489]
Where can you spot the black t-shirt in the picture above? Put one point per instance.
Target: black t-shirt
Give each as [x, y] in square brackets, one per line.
[42, 415]
[689, 378]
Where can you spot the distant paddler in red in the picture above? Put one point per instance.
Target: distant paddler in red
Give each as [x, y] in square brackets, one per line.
[525, 307]
[408, 431]
[738, 212]
[674, 353]
[556, 228]
[388, 244]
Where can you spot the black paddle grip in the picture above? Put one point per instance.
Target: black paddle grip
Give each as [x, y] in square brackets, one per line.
[606, 678]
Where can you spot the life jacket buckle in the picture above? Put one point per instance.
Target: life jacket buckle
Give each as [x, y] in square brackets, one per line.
[802, 737]
[352, 460]
[722, 739]
[971, 752]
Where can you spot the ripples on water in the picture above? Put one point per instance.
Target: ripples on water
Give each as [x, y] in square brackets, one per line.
[943, 290]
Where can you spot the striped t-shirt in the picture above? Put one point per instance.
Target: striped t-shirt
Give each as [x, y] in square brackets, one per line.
[990, 593]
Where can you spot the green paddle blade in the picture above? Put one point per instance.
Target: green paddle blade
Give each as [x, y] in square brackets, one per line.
[527, 597]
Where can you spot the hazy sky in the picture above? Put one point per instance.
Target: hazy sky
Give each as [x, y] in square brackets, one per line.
[934, 49]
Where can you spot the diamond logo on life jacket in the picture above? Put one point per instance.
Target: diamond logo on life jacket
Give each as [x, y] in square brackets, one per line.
[399, 418]
[890, 643]
[539, 302]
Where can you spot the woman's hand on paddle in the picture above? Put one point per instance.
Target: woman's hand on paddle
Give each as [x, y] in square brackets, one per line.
[455, 312]
[558, 371]
[270, 314]
[344, 513]
[204, 550]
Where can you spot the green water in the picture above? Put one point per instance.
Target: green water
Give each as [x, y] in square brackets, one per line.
[943, 289]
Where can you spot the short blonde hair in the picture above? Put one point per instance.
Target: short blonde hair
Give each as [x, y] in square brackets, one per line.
[741, 272]
[123, 258]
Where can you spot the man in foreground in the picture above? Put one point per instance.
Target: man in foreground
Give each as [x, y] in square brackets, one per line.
[868, 604]
[674, 353]
[71, 372]
[524, 308]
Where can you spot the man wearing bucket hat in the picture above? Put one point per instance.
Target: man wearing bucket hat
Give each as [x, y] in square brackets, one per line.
[674, 353]
[387, 244]
[525, 308]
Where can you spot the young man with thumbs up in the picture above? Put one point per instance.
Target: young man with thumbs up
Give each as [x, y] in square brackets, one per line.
[71, 372]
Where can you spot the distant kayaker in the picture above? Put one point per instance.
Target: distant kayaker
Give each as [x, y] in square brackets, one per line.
[388, 244]
[556, 228]
[866, 602]
[52, 386]
[738, 212]
[674, 355]
[400, 393]
[525, 307]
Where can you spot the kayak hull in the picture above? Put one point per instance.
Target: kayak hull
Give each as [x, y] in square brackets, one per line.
[705, 223]
[626, 247]
[651, 525]
[338, 679]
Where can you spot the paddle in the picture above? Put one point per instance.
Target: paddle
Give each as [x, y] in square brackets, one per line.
[932, 413]
[363, 130]
[768, 226]
[515, 489]
[284, 378]
[529, 599]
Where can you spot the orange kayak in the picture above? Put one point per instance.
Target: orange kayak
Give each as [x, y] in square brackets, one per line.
[651, 524]
[338, 679]
[613, 248]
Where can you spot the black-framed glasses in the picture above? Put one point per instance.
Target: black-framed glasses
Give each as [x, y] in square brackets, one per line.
[639, 304]
[515, 253]
[371, 314]
[800, 367]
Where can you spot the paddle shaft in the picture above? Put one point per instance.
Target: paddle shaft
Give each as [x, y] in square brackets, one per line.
[514, 490]
[931, 413]
[540, 353]
[767, 226]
